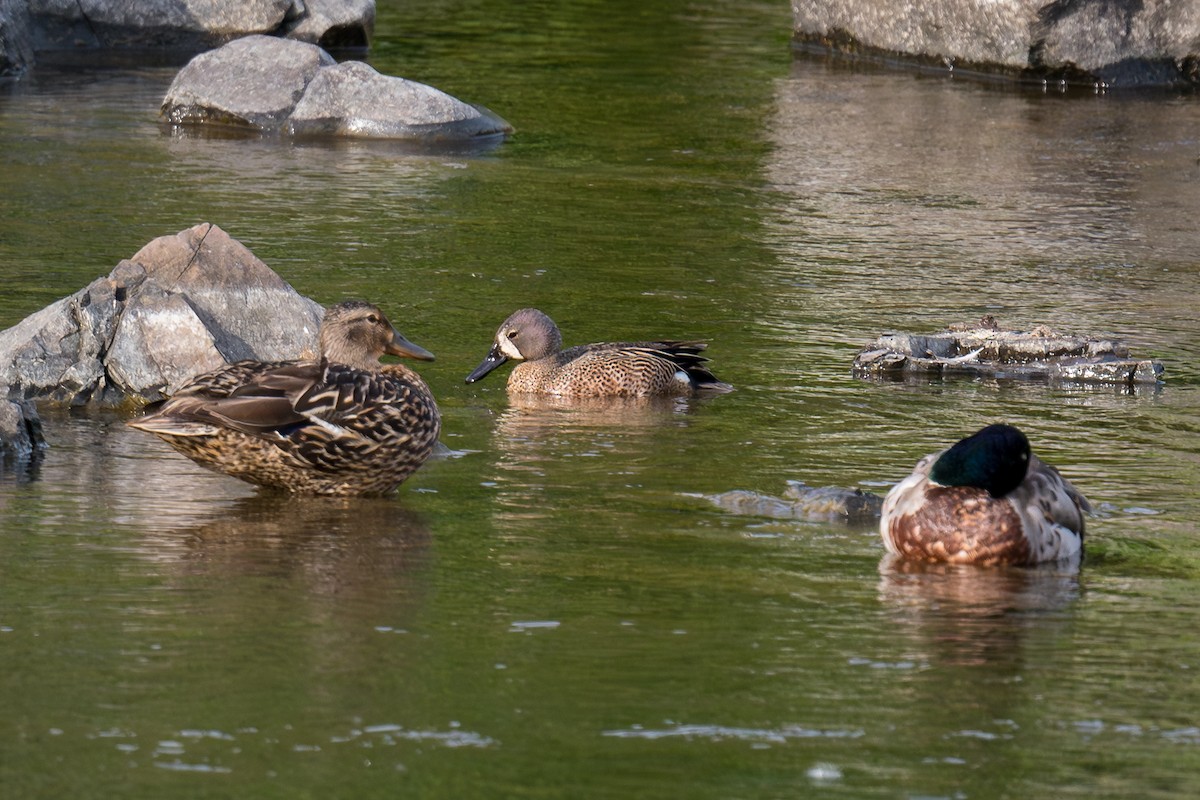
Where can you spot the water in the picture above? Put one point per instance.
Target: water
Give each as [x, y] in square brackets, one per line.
[552, 613]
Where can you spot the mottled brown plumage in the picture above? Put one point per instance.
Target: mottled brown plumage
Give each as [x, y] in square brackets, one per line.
[344, 425]
[611, 369]
[1041, 519]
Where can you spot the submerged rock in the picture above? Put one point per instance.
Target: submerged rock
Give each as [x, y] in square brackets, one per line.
[801, 501]
[268, 85]
[181, 305]
[1091, 42]
[987, 350]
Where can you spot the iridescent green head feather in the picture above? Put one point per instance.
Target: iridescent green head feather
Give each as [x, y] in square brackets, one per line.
[996, 459]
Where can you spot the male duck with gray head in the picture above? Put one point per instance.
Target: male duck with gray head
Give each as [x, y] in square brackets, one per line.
[987, 500]
[343, 425]
[611, 369]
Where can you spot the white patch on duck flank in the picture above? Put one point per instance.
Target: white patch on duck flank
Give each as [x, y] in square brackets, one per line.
[336, 430]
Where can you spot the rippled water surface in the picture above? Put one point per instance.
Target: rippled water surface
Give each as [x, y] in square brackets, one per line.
[553, 611]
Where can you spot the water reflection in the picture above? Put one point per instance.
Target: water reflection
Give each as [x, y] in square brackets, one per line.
[965, 615]
[171, 512]
[334, 546]
[550, 444]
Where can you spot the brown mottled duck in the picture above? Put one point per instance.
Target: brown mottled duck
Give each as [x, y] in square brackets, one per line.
[343, 425]
[612, 369]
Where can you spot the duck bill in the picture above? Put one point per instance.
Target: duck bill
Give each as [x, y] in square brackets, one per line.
[494, 359]
[405, 349]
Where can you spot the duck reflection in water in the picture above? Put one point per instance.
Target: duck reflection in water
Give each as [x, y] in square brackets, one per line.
[539, 438]
[977, 638]
[962, 614]
[349, 547]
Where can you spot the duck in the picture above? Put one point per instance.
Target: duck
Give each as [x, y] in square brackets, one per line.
[986, 500]
[342, 425]
[609, 369]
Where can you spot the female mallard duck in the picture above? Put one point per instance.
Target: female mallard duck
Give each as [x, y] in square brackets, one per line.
[986, 500]
[344, 425]
[614, 369]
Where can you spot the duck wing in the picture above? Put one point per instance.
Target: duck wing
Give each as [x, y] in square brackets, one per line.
[250, 397]
[360, 420]
[683, 356]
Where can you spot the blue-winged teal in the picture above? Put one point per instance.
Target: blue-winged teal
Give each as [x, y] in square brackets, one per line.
[344, 425]
[986, 500]
[613, 369]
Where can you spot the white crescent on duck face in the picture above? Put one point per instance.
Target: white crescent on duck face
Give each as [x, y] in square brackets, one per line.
[988, 500]
[344, 425]
[609, 369]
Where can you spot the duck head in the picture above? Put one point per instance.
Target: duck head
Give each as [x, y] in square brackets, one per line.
[357, 334]
[995, 458]
[527, 334]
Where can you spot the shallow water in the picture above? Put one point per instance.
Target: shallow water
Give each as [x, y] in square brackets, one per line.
[552, 611]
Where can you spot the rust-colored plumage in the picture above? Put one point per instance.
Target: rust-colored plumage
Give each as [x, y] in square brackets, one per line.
[344, 425]
[988, 501]
[611, 369]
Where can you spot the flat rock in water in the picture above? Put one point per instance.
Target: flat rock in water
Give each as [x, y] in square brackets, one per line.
[987, 350]
[1099, 43]
[100, 31]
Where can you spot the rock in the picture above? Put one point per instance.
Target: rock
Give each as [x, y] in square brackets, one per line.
[352, 99]
[181, 305]
[335, 24]
[20, 431]
[190, 27]
[252, 82]
[16, 37]
[834, 501]
[987, 350]
[1092, 42]
[274, 86]
[800, 501]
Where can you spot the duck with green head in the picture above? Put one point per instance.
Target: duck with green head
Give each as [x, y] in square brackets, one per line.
[341, 425]
[986, 500]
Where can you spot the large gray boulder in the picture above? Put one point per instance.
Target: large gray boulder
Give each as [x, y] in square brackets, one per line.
[264, 84]
[181, 305]
[1109, 43]
[190, 26]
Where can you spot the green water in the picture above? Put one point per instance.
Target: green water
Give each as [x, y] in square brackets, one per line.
[553, 613]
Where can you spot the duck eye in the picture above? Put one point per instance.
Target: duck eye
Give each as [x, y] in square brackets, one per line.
[513, 334]
[374, 320]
